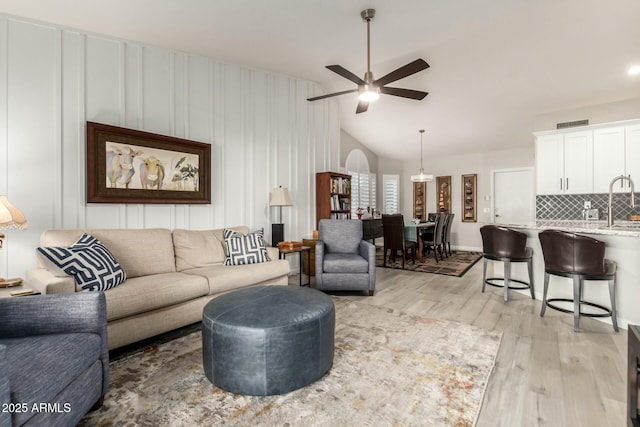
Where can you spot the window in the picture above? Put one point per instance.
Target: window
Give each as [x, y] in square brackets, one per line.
[390, 194]
[363, 183]
[363, 192]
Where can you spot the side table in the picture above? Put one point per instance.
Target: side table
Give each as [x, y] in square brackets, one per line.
[282, 255]
[310, 267]
[6, 292]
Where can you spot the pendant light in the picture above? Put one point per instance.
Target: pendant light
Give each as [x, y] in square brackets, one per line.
[421, 177]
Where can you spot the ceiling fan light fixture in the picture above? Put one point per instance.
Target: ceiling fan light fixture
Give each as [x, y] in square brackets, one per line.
[421, 177]
[369, 93]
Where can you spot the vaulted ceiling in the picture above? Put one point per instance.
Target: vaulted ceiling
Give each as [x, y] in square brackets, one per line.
[495, 64]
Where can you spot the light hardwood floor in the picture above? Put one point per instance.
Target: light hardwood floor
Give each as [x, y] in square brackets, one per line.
[545, 374]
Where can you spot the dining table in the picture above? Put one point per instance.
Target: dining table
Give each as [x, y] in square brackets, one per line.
[412, 230]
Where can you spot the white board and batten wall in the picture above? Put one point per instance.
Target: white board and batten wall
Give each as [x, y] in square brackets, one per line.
[262, 130]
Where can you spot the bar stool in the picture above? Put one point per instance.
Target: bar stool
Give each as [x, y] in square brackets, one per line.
[580, 258]
[506, 245]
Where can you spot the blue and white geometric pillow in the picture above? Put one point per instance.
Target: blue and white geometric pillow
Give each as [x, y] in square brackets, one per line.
[88, 261]
[245, 249]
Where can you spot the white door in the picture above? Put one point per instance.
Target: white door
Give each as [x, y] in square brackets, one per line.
[513, 196]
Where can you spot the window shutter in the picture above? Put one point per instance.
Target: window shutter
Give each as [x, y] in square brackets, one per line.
[391, 193]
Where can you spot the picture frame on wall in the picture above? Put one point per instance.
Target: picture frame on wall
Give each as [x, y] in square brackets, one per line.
[443, 185]
[469, 194]
[132, 166]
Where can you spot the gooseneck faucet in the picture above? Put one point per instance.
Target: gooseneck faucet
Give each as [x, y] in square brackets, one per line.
[633, 200]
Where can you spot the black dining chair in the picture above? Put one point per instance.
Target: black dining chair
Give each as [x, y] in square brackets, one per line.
[436, 241]
[446, 234]
[394, 238]
[427, 233]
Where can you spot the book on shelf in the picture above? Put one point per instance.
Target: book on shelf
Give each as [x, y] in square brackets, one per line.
[337, 215]
[340, 185]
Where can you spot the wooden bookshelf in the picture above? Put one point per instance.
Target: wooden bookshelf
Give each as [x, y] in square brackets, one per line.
[333, 196]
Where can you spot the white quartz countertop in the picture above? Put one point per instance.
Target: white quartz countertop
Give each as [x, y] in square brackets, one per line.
[620, 228]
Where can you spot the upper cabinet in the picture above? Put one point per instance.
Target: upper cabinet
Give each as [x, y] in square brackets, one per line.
[564, 163]
[586, 160]
[609, 158]
[632, 155]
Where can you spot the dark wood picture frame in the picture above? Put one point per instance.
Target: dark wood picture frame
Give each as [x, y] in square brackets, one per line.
[469, 196]
[420, 201]
[443, 186]
[177, 179]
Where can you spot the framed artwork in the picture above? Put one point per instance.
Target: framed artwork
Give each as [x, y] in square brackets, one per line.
[469, 198]
[420, 201]
[443, 185]
[131, 166]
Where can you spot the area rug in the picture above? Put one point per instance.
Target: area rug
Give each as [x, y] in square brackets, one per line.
[389, 368]
[455, 265]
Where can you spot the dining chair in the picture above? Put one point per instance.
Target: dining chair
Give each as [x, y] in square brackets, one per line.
[427, 233]
[436, 241]
[394, 238]
[446, 234]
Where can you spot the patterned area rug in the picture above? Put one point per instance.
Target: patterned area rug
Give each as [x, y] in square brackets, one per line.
[455, 265]
[389, 368]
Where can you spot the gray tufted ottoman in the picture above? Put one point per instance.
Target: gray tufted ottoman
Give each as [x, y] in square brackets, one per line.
[267, 340]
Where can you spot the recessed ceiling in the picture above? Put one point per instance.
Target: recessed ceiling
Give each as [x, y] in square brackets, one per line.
[495, 64]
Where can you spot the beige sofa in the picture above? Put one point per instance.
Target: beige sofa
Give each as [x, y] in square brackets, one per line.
[170, 277]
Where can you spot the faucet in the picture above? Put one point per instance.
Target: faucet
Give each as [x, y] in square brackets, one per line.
[633, 201]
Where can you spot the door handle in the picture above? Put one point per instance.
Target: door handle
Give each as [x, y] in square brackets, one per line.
[561, 183]
[567, 183]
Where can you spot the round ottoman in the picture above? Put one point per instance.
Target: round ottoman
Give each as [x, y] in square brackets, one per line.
[267, 340]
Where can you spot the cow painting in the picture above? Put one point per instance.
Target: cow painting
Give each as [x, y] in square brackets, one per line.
[120, 166]
[151, 173]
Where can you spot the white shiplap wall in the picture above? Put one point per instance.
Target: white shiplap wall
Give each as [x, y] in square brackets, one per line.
[262, 130]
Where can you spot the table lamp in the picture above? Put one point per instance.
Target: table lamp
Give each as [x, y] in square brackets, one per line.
[279, 197]
[10, 217]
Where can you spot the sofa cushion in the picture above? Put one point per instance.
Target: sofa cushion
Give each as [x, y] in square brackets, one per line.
[142, 294]
[245, 248]
[88, 261]
[223, 278]
[200, 248]
[60, 358]
[344, 263]
[140, 252]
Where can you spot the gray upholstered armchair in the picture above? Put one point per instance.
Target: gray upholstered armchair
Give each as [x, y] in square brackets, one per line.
[344, 262]
[54, 360]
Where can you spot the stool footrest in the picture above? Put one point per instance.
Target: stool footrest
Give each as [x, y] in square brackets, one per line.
[607, 311]
[498, 285]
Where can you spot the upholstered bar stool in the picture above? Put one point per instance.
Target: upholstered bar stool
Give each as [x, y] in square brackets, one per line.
[506, 245]
[580, 258]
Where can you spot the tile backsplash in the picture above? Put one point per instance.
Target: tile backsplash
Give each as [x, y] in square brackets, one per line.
[571, 206]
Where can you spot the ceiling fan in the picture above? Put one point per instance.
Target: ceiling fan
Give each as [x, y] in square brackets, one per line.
[371, 89]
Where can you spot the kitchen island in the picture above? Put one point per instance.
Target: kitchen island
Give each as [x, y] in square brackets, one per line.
[623, 247]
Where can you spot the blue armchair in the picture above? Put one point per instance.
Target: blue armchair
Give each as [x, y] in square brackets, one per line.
[344, 262]
[54, 359]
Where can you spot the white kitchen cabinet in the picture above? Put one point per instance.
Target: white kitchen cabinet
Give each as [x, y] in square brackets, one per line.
[608, 158]
[564, 163]
[632, 155]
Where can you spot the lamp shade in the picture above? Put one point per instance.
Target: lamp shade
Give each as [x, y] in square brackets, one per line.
[10, 216]
[280, 197]
[422, 177]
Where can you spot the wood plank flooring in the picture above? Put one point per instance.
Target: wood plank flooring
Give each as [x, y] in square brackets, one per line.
[545, 374]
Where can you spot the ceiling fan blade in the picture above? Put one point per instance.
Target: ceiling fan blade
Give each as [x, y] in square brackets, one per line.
[338, 69]
[404, 93]
[402, 72]
[362, 107]
[329, 95]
